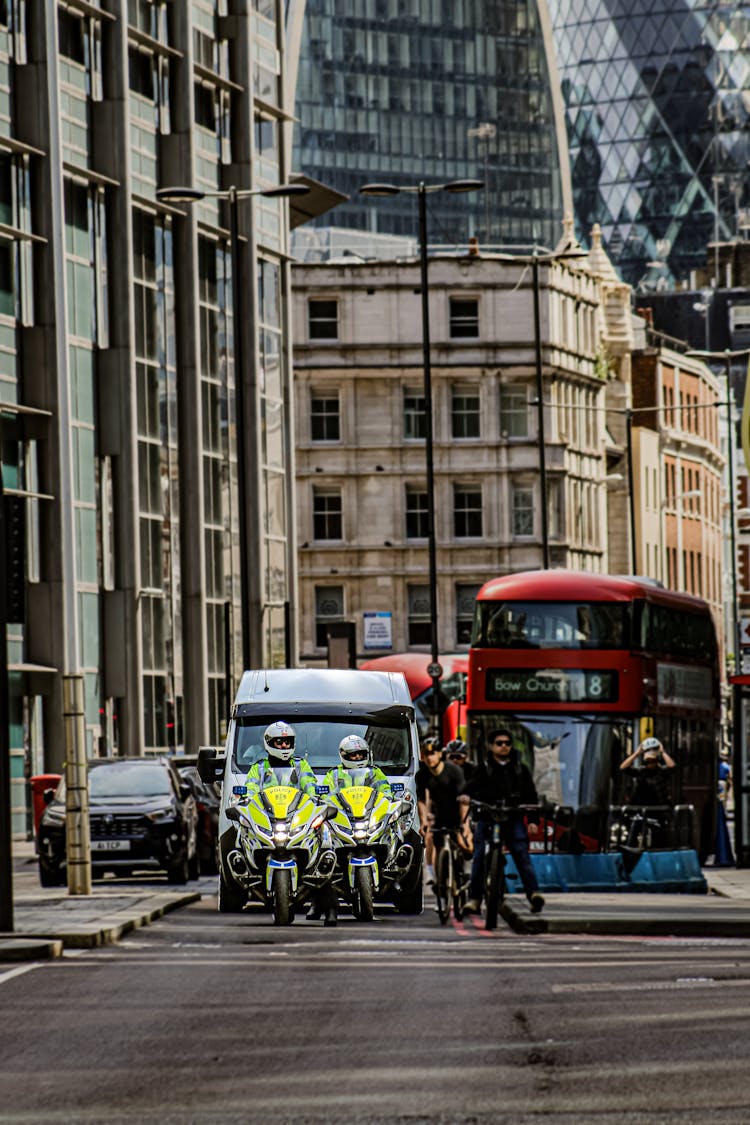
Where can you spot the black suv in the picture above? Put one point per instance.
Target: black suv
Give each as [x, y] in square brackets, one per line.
[143, 818]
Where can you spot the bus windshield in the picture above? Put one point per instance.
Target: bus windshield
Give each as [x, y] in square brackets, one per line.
[572, 757]
[517, 624]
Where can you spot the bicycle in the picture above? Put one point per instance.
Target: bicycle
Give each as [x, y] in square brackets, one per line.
[451, 882]
[495, 887]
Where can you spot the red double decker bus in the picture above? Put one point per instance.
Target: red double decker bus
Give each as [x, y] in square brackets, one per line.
[580, 667]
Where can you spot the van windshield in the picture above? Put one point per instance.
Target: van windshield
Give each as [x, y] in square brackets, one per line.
[318, 739]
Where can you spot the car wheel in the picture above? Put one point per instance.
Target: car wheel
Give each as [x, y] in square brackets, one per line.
[178, 872]
[51, 876]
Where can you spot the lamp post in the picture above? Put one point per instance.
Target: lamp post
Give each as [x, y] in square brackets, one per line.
[232, 195]
[422, 190]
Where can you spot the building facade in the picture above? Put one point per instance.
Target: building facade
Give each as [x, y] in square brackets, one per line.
[434, 91]
[362, 500]
[657, 120]
[118, 381]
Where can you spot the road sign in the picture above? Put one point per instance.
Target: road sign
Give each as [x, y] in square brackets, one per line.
[745, 632]
[435, 671]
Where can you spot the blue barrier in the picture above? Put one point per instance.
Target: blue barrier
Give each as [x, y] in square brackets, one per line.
[676, 872]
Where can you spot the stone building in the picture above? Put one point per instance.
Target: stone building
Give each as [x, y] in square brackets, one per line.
[360, 450]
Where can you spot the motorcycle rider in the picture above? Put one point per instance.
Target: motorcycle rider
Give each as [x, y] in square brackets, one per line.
[279, 740]
[355, 755]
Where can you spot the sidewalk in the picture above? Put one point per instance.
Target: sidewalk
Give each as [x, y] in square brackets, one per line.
[48, 920]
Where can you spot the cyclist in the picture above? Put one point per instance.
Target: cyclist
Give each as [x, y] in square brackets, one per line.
[279, 740]
[457, 752]
[503, 777]
[652, 788]
[439, 785]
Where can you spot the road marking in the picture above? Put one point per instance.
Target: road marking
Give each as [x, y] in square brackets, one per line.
[19, 971]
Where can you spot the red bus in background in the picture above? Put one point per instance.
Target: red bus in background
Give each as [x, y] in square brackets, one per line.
[581, 667]
[452, 685]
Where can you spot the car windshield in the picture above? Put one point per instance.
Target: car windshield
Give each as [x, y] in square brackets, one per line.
[318, 741]
[128, 779]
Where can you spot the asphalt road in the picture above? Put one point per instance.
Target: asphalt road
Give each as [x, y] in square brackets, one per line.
[210, 1018]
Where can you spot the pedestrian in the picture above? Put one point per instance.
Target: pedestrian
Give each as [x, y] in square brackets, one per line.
[502, 778]
[723, 854]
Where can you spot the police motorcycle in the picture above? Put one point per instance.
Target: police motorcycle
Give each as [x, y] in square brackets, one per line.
[366, 831]
[279, 858]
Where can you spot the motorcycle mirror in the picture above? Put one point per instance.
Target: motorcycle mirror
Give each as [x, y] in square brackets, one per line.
[405, 807]
[233, 813]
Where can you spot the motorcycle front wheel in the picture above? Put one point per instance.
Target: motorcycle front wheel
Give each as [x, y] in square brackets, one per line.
[283, 914]
[364, 894]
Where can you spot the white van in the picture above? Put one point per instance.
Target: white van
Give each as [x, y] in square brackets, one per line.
[323, 705]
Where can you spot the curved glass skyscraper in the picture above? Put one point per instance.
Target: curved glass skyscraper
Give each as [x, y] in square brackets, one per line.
[435, 90]
[658, 116]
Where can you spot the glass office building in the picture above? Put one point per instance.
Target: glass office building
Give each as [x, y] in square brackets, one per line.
[435, 90]
[658, 116]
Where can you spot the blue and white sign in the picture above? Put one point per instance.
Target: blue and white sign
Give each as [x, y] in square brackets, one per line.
[378, 630]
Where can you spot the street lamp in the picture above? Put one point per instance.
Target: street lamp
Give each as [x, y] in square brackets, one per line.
[422, 190]
[232, 195]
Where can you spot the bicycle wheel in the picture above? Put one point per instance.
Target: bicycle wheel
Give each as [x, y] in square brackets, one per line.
[495, 888]
[443, 883]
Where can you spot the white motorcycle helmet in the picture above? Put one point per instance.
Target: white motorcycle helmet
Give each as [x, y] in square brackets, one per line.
[354, 752]
[279, 741]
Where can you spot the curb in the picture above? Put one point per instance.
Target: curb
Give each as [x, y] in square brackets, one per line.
[641, 926]
[32, 949]
[89, 935]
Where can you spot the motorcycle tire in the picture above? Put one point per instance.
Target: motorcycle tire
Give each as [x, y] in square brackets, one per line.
[231, 898]
[443, 885]
[495, 888]
[283, 913]
[364, 894]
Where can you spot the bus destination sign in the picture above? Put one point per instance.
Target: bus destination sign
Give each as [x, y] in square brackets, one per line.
[550, 685]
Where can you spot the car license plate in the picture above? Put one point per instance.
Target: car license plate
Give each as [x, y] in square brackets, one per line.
[111, 846]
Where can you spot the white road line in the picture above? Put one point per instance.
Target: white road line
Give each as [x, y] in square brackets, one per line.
[18, 971]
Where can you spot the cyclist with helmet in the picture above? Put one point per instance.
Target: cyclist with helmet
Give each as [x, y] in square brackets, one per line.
[653, 781]
[279, 740]
[356, 768]
[439, 785]
[652, 788]
[458, 752]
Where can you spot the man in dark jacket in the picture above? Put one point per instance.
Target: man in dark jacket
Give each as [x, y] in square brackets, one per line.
[503, 778]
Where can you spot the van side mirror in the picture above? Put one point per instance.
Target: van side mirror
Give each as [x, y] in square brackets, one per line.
[210, 764]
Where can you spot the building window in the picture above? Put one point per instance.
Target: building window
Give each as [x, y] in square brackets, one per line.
[327, 522]
[514, 412]
[523, 512]
[418, 600]
[417, 522]
[467, 511]
[465, 599]
[415, 423]
[325, 421]
[329, 607]
[323, 320]
[465, 412]
[464, 317]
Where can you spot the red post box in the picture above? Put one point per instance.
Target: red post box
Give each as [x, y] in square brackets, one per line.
[39, 785]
